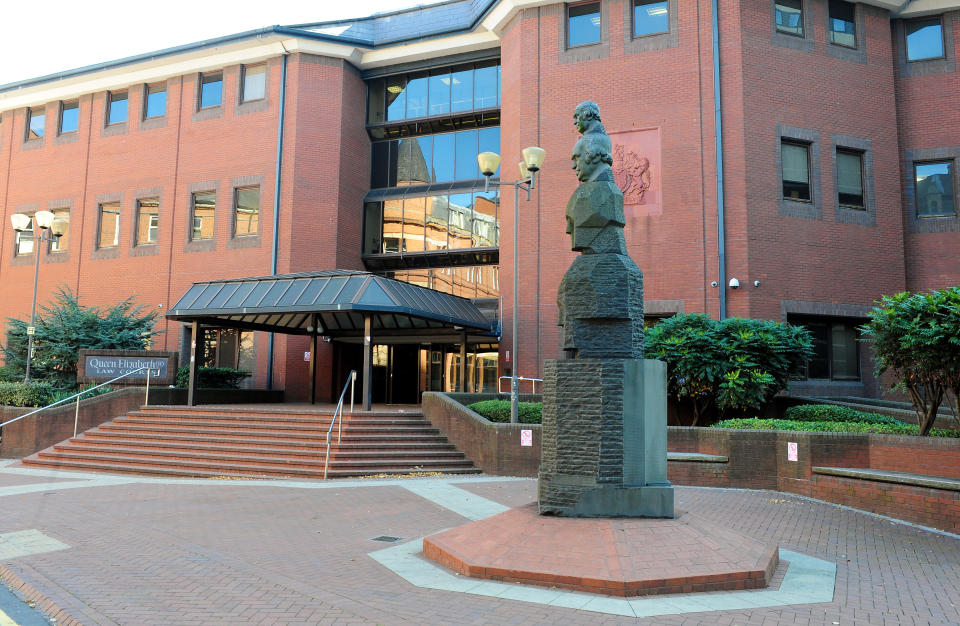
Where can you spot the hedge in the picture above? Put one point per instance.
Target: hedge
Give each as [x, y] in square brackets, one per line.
[835, 413]
[212, 377]
[831, 427]
[19, 394]
[499, 411]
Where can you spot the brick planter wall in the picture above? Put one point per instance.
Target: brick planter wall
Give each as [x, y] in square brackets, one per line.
[40, 431]
[757, 460]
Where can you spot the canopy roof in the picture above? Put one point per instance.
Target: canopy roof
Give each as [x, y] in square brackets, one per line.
[338, 298]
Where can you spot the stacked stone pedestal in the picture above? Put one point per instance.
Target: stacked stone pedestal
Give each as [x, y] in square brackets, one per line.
[604, 439]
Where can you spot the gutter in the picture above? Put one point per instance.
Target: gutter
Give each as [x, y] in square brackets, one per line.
[281, 114]
[718, 134]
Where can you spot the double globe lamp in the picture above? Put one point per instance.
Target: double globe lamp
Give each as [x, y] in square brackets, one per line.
[532, 161]
[48, 225]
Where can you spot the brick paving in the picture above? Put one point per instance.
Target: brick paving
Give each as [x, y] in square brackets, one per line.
[220, 552]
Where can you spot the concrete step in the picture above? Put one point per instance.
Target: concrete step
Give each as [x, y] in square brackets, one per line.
[93, 438]
[220, 473]
[273, 431]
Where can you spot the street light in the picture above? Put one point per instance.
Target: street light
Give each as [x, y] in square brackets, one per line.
[44, 220]
[532, 161]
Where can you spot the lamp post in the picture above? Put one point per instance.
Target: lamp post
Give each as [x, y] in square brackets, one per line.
[532, 161]
[44, 220]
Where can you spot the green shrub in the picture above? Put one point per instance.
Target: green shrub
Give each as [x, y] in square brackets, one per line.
[733, 366]
[19, 394]
[66, 393]
[499, 411]
[835, 413]
[213, 377]
[831, 427]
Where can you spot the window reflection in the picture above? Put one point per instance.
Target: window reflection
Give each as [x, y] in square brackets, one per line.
[396, 98]
[471, 281]
[443, 157]
[440, 158]
[485, 220]
[414, 217]
[417, 96]
[439, 92]
[485, 86]
[462, 90]
[435, 228]
[461, 218]
[392, 225]
[466, 147]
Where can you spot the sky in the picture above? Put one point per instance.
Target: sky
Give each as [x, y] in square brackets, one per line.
[59, 35]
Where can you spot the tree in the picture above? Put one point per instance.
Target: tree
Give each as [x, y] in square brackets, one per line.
[917, 338]
[64, 327]
[736, 365]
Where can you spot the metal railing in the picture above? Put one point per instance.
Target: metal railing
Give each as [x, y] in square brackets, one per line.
[338, 417]
[77, 396]
[534, 382]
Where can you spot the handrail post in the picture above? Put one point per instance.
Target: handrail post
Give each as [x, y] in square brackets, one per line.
[146, 397]
[353, 380]
[76, 416]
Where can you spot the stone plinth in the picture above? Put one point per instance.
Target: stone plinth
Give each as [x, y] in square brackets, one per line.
[604, 439]
[623, 557]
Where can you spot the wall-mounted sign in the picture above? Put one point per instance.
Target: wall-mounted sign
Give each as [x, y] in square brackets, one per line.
[98, 366]
[792, 451]
[526, 437]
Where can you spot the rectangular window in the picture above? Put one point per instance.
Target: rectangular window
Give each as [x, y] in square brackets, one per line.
[935, 189]
[117, 107]
[924, 39]
[416, 96]
[69, 117]
[254, 82]
[836, 352]
[789, 16]
[439, 92]
[795, 158]
[583, 24]
[211, 90]
[36, 121]
[247, 211]
[108, 235]
[485, 85]
[23, 244]
[155, 104]
[843, 30]
[461, 89]
[61, 243]
[396, 98]
[204, 209]
[850, 178]
[148, 221]
[650, 17]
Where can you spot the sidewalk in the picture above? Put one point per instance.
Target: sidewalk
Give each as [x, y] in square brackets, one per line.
[116, 549]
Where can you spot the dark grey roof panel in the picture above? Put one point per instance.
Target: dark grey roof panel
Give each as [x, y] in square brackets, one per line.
[341, 299]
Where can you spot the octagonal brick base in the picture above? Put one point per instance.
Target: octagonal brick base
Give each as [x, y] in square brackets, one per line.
[622, 557]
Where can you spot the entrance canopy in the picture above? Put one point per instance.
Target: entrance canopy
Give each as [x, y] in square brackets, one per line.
[333, 303]
[339, 304]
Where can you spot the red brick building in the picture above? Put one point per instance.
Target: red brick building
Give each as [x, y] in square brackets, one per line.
[352, 145]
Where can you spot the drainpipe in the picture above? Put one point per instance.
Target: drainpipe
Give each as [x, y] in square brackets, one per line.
[721, 238]
[276, 200]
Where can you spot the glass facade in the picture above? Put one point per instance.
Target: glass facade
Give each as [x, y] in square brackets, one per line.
[443, 91]
[438, 158]
[470, 281]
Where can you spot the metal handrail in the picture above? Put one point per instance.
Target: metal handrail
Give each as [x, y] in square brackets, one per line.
[534, 381]
[338, 417]
[76, 415]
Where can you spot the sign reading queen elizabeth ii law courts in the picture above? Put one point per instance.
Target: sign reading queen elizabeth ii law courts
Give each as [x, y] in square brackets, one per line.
[97, 366]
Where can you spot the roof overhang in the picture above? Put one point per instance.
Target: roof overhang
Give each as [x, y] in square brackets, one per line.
[332, 303]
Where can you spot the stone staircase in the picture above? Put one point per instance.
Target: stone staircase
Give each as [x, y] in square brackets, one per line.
[258, 442]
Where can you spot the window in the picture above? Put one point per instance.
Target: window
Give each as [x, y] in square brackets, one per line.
[850, 178]
[935, 189]
[227, 347]
[924, 39]
[650, 17]
[472, 281]
[36, 121]
[117, 107]
[583, 24]
[69, 117]
[843, 30]
[254, 82]
[23, 243]
[109, 232]
[148, 221]
[155, 104]
[795, 158]
[836, 354]
[440, 158]
[443, 91]
[211, 90]
[204, 209]
[61, 243]
[789, 16]
[246, 211]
